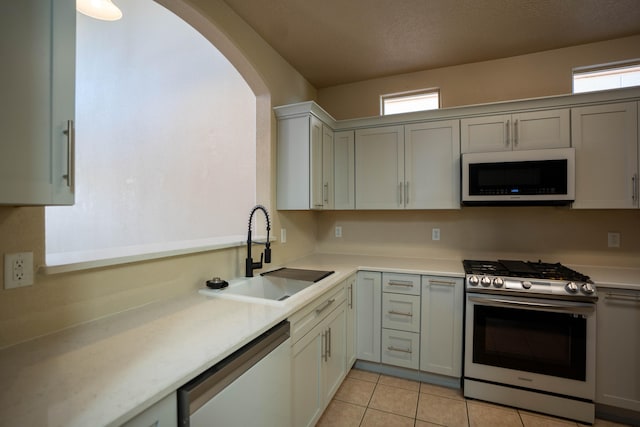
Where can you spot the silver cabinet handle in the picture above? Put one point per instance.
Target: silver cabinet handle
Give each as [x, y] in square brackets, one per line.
[329, 343]
[634, 187]
[508, 133]
[326, 192]
[442, 282]
[623, 297]
[71, 142]
[404, 283]
[351, 295]
[402, 350]
[515, 133]
[324, 307]
[323, 346]
[406, 193]
[400, 194]
[400, 313]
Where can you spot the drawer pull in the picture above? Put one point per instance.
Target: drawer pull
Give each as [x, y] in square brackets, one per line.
[402, 350]
[442, 282]
[324, 307]
[400, 313]
[622, 297]
[405, 283]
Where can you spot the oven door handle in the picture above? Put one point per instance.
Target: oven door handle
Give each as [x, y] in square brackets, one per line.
[585, 309]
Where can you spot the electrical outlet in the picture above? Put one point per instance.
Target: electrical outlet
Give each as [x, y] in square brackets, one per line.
[613, 240]
[435, 234]
[18, 270]
[338, 231]
[283, 235]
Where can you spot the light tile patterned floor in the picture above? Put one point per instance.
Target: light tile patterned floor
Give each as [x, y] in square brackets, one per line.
[366, 399]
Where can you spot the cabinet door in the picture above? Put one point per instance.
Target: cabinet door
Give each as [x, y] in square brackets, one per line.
[344, 173]
[368, 320]
[293, 163]
[432, 165]
[380, 168]
[541, 129]
[327, 167]
[441, 325]
[351, 321]
[483, 134]
[606, 141]
[37, 83]
[307, 378]
[618, 348]
[316, 180]
[335, 366]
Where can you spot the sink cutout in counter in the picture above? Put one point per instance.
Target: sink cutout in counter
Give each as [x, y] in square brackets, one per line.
[299, 274]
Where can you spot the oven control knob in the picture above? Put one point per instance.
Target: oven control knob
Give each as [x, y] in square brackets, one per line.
[526, 284]
[485, 281]
[473, 280]
[587, 288]
[498, 282]
[571, 287]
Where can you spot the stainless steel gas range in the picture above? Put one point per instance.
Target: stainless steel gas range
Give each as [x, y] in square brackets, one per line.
[530, 337]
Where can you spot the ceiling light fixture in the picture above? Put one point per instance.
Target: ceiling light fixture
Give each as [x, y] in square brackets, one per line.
[99, 9]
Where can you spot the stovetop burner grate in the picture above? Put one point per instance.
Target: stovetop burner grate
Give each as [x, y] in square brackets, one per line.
[524, 269]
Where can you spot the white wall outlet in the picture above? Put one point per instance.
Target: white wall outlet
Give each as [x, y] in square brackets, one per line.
[18, 270]
[435, 234]
[613, 240]
[283, 235]
[338, 231]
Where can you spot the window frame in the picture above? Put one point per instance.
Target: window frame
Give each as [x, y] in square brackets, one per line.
[408, 95]
[609, 68]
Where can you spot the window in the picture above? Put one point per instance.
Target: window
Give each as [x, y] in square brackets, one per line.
[601, 78]
[165, 142]
[407, 102]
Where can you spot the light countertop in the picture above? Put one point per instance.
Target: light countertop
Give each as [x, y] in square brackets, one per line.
[105, 372]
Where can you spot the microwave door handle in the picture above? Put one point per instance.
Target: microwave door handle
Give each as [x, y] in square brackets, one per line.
[584, 310]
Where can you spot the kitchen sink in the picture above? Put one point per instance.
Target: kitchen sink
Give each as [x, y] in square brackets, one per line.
[265, 289]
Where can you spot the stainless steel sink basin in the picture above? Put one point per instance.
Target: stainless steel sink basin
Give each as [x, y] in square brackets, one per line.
[268, 289]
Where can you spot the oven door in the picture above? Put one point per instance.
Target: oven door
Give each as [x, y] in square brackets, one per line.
[545, 345]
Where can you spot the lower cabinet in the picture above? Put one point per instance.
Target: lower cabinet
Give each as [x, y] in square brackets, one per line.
[162, 414]
[319, 360]
[351, 289]
[368, 315]
[618, 348]
[441, 325]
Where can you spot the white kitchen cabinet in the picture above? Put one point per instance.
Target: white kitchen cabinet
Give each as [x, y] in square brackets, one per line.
[432, 165]
[380, 168]
[408, 167]
[518, 131]
[352, 295]
[605, 138]
[618, 348]
[319, 356]
[368, 315]
[344, 162]
[37, 83]
[401, 312]
[305, 163]
[441, 325]
[400, 348]
[401, 283]
[319, 366]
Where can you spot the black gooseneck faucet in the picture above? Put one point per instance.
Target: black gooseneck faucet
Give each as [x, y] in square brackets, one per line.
[249, 264]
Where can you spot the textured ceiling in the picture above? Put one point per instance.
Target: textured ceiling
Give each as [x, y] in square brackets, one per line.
[332, 42]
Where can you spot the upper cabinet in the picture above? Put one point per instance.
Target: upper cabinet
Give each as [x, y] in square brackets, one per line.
[408, 167]
[344, 175]
[518, 131]
[37, 83]
[606, 141]
[305, 163]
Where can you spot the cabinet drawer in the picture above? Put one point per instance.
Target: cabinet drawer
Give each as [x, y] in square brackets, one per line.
[401, 283]
[401, 312]
[400, 348]
[304, 320]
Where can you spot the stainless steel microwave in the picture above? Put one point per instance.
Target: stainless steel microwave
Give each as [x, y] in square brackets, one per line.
[527, 177]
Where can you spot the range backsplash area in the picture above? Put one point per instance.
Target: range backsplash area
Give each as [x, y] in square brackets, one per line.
[553, 234]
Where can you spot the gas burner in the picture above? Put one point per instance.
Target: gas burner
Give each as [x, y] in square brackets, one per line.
[526, 277]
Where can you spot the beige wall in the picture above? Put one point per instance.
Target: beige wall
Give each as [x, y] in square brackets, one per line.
[59, 301]
[527, 76]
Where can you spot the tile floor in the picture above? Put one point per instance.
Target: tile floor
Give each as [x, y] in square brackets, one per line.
[366, 399]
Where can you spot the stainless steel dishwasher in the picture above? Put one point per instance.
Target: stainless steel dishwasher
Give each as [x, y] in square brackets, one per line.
[251, 387]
